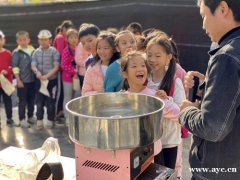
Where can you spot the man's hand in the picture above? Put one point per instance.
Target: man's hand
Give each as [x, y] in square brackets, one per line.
[188, 79]
[187, 103]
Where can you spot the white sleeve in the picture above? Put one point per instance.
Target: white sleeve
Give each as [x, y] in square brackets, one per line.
[179, 92]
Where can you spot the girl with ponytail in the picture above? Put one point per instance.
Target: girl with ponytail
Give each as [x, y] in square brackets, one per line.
[163, 62]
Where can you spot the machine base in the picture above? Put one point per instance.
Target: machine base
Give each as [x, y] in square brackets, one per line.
[155, 171]
[102, 164]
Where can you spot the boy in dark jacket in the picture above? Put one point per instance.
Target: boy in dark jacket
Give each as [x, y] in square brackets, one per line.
[21, 64]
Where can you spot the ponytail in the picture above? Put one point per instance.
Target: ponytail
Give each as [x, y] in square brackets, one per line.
[169, 76]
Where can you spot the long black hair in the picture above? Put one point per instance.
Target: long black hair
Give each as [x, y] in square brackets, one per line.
[168, 78]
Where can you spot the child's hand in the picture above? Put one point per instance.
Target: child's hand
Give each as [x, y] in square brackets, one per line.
[161, 94]
[39, 75]
[44, 77]
[100, 91]
[4, 72]
[20, 84]
[75, 76]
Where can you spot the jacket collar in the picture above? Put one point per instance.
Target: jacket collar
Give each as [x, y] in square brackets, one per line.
[29, 50]
[232, 34]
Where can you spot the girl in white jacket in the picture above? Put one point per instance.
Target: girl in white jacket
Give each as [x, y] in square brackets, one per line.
[163, 67]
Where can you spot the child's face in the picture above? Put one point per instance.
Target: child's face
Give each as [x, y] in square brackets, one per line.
[136, 73]
[23, 41]
[73, 40]
[104, 50]
[126, 43]
[44, 43]
[157, 57]
[89, 43]
[2, 42]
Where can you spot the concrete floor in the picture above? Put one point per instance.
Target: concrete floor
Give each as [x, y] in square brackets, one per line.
[30, 138]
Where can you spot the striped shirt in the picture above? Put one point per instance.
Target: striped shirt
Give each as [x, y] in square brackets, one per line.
[45, 60]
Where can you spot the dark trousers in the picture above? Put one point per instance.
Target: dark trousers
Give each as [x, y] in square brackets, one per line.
[43, 100]
[167, 157]
[7, 103]
[26, 97]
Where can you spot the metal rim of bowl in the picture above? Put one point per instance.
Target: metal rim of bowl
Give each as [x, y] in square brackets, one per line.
[113, 118]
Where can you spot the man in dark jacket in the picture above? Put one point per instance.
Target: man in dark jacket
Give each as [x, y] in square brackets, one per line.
[215, 125]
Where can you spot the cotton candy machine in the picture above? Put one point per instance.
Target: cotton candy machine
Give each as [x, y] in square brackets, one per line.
[114, 134]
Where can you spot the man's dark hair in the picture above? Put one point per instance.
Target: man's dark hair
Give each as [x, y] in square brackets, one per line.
[233, 5]
[88, 29]
[135, 28]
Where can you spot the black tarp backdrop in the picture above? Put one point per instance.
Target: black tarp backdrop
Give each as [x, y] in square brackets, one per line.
[179, 18]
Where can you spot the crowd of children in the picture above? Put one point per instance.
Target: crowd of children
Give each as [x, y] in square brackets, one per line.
[102, 61]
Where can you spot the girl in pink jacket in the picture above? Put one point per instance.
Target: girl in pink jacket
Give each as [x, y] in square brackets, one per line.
[106, 54]
[80, 58]
[68, 66]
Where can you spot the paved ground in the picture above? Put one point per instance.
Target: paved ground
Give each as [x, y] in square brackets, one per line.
[186, 175]
[30, 138]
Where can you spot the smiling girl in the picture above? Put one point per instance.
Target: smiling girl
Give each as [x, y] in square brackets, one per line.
[135, 72]
[162, 77]
[125, 41]
[106, 54]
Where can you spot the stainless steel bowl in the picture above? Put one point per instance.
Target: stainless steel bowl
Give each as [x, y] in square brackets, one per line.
[114, 120]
